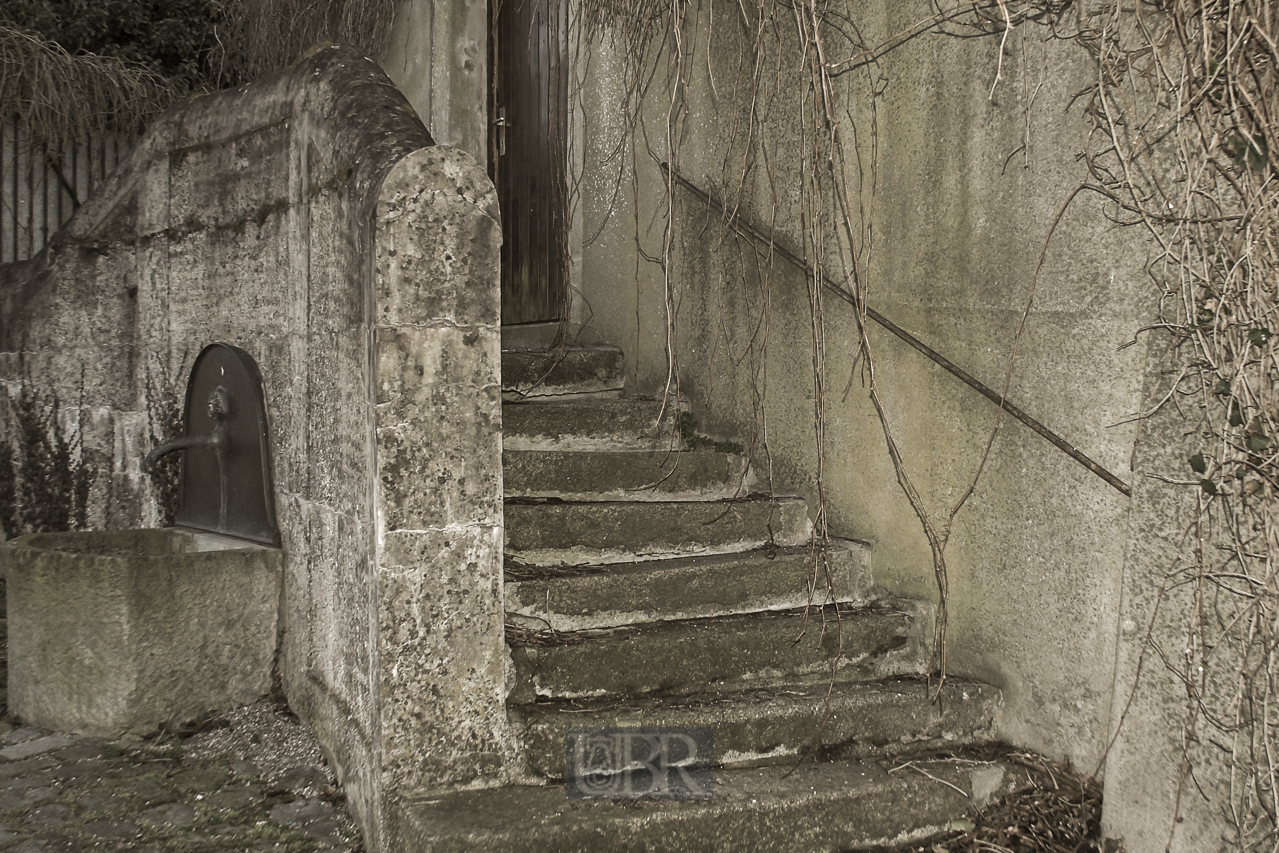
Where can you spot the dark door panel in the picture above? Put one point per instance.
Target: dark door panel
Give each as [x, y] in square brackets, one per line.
[528, 153]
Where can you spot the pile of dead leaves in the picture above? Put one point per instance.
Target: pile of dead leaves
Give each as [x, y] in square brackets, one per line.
[1054, 811]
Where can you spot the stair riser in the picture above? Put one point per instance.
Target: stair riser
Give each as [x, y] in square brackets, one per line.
[590, 425]
[624, 476]
[692, 588]
[717, 654]
[771, 727]
[589, 533]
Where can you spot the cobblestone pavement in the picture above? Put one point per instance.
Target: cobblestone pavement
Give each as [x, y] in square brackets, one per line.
[255, 781]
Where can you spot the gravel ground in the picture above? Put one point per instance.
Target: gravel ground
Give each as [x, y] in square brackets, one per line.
[256, 784]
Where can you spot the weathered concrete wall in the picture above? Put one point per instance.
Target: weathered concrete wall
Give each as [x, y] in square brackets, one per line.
[439, 469]
[438, 57]
[260, 217]
[965, 191]
[1167, 783]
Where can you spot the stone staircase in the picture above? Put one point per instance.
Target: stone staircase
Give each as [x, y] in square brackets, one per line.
[648, 586]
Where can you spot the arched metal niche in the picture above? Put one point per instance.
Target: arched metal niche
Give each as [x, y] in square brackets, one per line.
[226, 482]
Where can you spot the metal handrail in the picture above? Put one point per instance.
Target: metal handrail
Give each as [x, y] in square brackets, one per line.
[744, 228]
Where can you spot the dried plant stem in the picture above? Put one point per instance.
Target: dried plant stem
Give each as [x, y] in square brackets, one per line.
[56, 96]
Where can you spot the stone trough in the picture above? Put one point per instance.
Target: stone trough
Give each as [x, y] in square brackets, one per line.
[128, 631]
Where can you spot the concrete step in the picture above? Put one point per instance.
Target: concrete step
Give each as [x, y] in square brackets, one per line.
[720, 653]
[624, 475]
[575, 370]
[590, 424]
[779, 723]
[686, 588]
[550, 532]
[820, 806]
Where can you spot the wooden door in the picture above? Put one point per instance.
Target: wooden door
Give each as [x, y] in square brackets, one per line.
[528, 153]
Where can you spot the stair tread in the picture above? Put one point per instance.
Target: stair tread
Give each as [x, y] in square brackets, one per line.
[723, 652]
[580, 532]
[547, 423]
[739, 702]
[801, 618]
[779, 722]
[686, 587]
[817, 806]
[625, 475]
[573, 370]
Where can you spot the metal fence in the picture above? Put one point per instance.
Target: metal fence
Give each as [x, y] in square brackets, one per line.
[42, 185]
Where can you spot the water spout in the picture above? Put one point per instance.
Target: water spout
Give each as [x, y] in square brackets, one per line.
[229, 490]
[218, 440]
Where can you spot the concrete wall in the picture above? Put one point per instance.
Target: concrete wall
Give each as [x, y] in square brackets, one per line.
[306, 219]
[439, 478]
[1168, 782]
[136, 631]
[437, 56]
[965, 191]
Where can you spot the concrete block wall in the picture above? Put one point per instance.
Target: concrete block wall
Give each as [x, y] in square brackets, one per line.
[438, 57]
[264, 217]
[439, 473]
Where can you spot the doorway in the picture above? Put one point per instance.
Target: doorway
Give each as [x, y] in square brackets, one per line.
[528, 110]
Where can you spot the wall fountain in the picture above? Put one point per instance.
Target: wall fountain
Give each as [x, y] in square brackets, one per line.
[136, 630]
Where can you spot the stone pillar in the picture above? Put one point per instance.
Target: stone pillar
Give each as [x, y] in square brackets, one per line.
[439, 476]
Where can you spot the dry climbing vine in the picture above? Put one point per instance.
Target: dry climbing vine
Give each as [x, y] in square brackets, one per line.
[801, 67]
[1182, 148]
[1185, 148]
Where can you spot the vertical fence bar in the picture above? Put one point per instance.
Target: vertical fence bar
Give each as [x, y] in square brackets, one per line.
[39, 197]
[27, 212]
[8, 194]
[12, 162]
